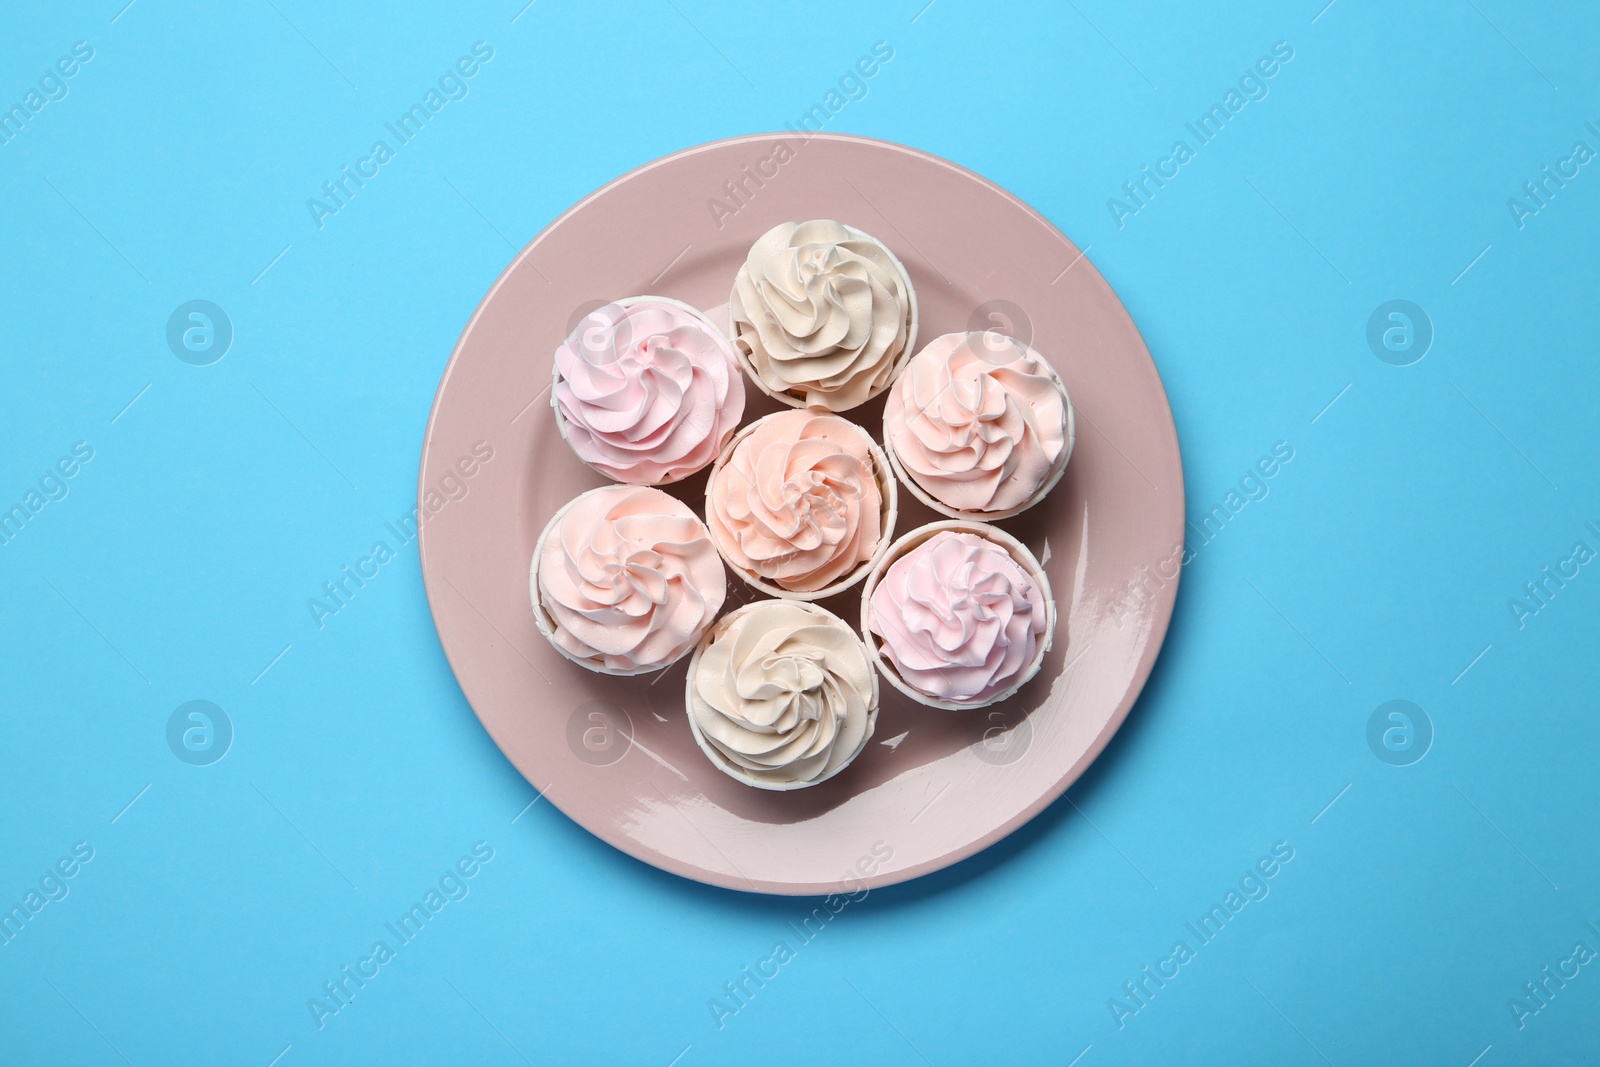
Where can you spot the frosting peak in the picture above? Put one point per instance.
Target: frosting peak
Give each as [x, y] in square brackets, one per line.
[959, 619]
[648, 391]
[823, 313]
[980, 422]
[781, 694]
[797, 501]
[628, 578]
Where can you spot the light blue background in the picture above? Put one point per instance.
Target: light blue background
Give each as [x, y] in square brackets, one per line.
[1379, 567]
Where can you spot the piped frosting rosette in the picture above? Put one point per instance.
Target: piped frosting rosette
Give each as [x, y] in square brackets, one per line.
[958, 615]
[800, 503]
[979, 425]
[647, 390]
[781, 695]
[625, 580]
[823, 314]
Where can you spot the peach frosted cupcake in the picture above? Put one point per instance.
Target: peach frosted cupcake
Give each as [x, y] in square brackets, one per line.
[979, 425]
[800, 504]
[647, 390]
[625, 579]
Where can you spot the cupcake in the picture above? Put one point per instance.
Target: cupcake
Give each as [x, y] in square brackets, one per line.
[800, 503]
[979, 425]
[958, 615]
[625, 580]
[780, 695]
[823, 315]
[646, 390]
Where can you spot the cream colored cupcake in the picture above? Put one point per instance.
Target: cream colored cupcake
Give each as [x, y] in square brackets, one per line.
[823, 315]
[781, 695]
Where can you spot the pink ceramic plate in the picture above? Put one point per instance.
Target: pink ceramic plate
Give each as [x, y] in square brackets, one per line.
[932, 787]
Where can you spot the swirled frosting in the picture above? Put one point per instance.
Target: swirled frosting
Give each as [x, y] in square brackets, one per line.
[958, 618]
[823, 312]
[797, 501]
[783, 693]
[630, 579]
[648, 392]
[978, 421]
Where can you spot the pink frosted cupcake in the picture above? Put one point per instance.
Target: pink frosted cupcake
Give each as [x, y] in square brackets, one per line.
[800, 504]
[647, 390]
[625, 579]
[979, 426]
[958, 615]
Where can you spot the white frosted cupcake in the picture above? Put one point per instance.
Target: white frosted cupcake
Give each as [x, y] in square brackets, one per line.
[781, 696]
[625, 579]
[800, 503]
[958, 615]
[647, 390]
[979, 426]
[823, 314]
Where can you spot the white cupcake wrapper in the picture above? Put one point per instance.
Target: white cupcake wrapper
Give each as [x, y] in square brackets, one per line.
[1050, 483]
[547, 623]
[736, 307]
[733, 770]
[1016, 550]
[627, 302]
[889, 512]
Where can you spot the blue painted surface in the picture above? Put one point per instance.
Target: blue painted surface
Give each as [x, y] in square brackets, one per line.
[208, 503]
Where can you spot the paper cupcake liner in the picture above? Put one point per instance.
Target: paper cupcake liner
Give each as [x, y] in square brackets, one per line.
[627, 302]
[1060, 467]
[547, 623]
[783, 396]
[722, 762]
[1016, 550]
[888, 513]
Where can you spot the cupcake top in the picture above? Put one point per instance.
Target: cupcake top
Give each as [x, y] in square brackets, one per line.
[959, 619]
[823, 313]
[980, 422]
[781, 694]
[648, 390]
[796, 501]
[628, 578]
